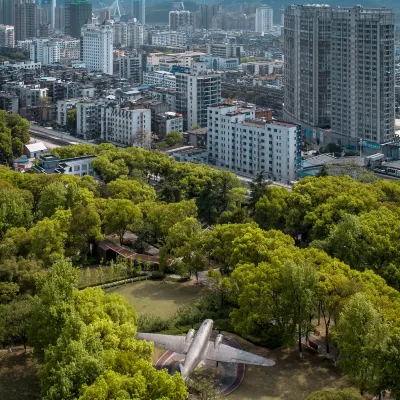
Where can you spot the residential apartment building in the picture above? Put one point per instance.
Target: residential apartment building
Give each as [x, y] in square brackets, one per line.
[180, 19]
[169, 39]
[223, 50]
[126, 125]
[167, 122]
[134, 36]
[307, 64]
[9, 102]
[130, 67]
[362, 74]
[25, 20]
[264, 19]
[88, 119]
[165, 95]
[246, 145]
[163, 79]
[339, 73]
[97, 47]
[62, 108]
[28, 95]
[7, 36]
[195, 93]
[120, 38]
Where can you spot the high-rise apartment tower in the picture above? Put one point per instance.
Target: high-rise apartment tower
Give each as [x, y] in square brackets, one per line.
[339, 71]
[264, 19]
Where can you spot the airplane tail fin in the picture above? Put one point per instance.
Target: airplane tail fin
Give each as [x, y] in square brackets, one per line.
[184, 371]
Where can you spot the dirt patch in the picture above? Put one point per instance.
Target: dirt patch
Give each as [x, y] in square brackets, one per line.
[18, 380]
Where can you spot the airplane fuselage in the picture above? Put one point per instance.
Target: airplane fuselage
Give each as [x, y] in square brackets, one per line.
[197, 348]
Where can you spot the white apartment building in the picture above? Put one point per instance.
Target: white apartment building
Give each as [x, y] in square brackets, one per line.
[97, 47]
[194, 94]
[169, 39]
[126, 125]
[88, 119]
[160, 79]
[264, 19]
[7, 36]
[62, 108]
[246, 145]
[52, 51]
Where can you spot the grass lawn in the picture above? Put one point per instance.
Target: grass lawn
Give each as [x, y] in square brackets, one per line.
[18, 376]
[158, 298]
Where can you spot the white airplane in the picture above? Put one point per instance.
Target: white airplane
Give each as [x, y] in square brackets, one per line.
[197, 346]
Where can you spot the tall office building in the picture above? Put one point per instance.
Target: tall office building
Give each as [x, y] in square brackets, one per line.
[339, 72]
[180, 19]
[59, 23]
[138, 10]
[264, 19]
[25, 20]
[97, 47]
[80, 13]
[194, 93]
[307, 64]
[363, 98]
[50, 6]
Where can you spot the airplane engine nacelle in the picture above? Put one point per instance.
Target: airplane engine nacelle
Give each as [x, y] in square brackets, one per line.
[218, 340]
[189, 335]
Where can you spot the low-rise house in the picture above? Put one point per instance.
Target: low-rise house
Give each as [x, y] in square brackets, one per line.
[35, 150]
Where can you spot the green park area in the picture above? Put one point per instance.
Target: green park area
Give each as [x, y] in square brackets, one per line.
[162, 299]
[276, 261]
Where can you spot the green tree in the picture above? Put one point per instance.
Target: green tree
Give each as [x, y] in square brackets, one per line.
[119, 216]
[124, 188]
[258, 188]
[47, 241]
[17, 319]
[271, 209]
[53, 196]
[8, 291]
[6, 151]
[17, 147]
[85, 228]
[361, 335]
[71, 120]
[299, 296]
[15, 208]
[173, 138]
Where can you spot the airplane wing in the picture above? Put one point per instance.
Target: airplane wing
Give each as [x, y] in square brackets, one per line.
[178, 344]
[224, 353]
